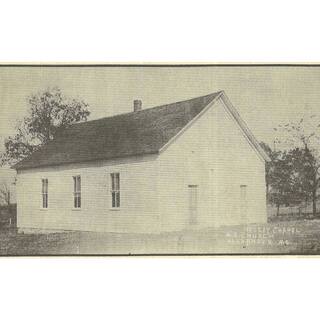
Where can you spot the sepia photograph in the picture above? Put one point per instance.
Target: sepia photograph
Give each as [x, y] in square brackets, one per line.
[159, 159]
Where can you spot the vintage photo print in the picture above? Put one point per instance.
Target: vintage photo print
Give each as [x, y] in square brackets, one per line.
[151, 159]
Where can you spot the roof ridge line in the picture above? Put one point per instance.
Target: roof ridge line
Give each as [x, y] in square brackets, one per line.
[66, 145]
[132, 112]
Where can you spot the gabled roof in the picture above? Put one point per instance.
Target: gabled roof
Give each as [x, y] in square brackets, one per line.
[247, 132]
[148, 131]
[131, 134]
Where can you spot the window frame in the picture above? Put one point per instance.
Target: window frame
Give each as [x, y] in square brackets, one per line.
[77, 194]
[115, 191]
[44, 192]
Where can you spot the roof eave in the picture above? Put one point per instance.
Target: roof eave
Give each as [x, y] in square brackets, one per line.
[28, 167]
[247, 132]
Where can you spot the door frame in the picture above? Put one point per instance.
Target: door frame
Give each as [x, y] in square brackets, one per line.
[193, 197]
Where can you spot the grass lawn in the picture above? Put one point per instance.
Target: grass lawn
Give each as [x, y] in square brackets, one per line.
[297, 237]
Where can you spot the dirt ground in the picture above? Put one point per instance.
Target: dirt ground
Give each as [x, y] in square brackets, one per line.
[284, 237]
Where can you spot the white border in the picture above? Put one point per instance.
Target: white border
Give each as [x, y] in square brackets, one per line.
[166, 31]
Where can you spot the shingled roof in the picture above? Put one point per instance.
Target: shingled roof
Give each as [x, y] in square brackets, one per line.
[130, 134]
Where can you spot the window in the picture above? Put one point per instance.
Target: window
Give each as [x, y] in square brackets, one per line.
[77, 192]
[44, 193]
[115, 190]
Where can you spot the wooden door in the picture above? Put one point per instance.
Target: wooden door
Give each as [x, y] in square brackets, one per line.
[193, 204]
[243, 203]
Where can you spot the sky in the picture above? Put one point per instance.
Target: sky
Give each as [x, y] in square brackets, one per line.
[265, 96]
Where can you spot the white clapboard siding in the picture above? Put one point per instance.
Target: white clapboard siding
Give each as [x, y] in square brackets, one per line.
[212, 154]
[139, 197]
[215, 155]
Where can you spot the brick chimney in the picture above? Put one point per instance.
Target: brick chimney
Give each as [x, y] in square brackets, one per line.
[137, 105]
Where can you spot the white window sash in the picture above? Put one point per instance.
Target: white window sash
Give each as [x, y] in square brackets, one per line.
[77, 192]
[115, 190]
[44, 193]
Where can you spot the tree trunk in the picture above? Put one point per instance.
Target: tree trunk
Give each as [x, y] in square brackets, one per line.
[314, 202]
[278, 209]
[314, 206]
[314, 193]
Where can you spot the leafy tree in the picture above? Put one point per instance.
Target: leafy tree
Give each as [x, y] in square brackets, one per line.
[281, 180]
[270, 166]
[303, 138]
[284, 182]
[49, 112]
[307, 177]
